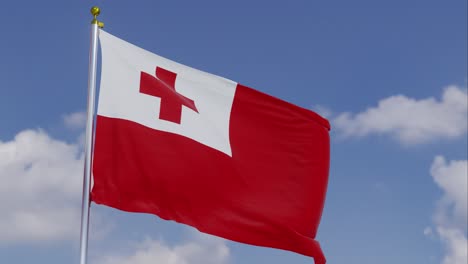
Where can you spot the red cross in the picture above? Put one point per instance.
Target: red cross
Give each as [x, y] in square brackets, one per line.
[163, 86]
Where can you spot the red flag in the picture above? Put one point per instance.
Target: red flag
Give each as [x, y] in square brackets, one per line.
[202, 150]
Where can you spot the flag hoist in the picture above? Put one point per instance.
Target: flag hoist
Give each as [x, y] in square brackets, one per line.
[95, 25]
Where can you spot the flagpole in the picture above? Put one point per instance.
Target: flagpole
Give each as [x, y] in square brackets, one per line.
[95, 25]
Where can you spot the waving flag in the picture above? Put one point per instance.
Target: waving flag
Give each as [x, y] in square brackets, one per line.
[205, 151]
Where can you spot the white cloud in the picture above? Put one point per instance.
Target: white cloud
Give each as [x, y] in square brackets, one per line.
[75, 120]
[202, 250]
[428, 232]
[410, 120]
[323, 111]
[450, 216]
[40, 188]
[456, 245]
[452, 178]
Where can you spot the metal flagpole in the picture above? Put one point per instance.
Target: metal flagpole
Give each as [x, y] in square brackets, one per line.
[95, 25]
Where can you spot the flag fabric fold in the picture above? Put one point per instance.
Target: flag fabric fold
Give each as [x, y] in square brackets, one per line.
[205, 151]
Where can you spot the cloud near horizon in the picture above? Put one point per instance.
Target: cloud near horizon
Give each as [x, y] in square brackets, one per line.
[202, 249]
[450, 216]
[409, 120]
[41, 180]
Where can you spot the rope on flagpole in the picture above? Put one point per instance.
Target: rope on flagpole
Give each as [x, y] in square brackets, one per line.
[95, 25]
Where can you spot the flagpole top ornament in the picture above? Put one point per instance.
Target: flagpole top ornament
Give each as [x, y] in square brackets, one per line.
[95, 11]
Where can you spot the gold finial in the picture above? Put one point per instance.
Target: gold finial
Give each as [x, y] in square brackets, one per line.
[95, 11]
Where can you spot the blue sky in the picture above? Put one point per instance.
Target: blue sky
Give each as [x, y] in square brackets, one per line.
[391, 76]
